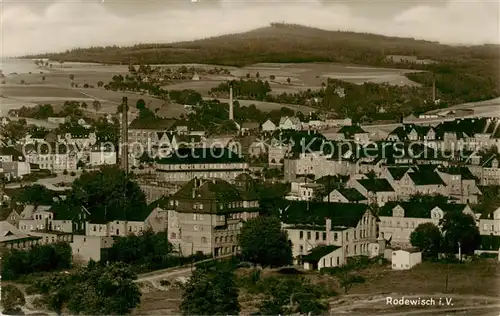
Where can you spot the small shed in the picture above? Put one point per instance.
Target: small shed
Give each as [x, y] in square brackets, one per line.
[405, 259]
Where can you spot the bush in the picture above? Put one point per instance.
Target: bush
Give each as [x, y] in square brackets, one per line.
[65, 172]
[73, 173]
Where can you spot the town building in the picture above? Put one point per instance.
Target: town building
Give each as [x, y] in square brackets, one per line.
[405, 259]
[310, 224]
[206, 215]
[186, 164]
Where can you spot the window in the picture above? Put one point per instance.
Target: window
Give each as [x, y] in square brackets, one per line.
[301, 235]
[195, 228]
[308, 235]
[338, 261]
[203, 240]
[195, 216]
[94, 228]
[407, 266]
[347, 236]
[335, 236]
[173, 236]
[324, 236]
[317, 235]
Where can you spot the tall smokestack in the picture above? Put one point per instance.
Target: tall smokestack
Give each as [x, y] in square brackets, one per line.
[433, 89]
[124, 138]
[231, 115]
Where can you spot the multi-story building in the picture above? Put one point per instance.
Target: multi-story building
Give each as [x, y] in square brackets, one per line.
[186, 164]
[206, 215]
[376, 191]
[399, 219]
[311, 224]
[489, 223]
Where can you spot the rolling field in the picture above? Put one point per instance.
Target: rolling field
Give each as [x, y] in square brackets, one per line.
[56, 88]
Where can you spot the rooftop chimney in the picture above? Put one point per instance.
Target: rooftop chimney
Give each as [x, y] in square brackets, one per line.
[231, 118]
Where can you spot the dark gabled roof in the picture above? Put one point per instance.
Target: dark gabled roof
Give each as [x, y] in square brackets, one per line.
[10, 151]
[426, 178]
[403, 131]
[419, 210]
[332, 179]
[487, 160]
[341, 214]
[201, 156]
[319, 252]
[463, 171]
[398, 172]
[350, 130]
[208, 189]
[376, 185]
[463, 127]
[352, 195]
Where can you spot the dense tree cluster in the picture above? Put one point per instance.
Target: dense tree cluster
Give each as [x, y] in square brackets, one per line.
[263, 242]
[457, 231]
[249, 89]
[211, 291]
[108, 194]
[94, 290]
[40, 111]
[16, 263]
[147, 252]
[36, 194]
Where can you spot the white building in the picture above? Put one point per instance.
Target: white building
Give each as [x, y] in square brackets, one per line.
[406, 259]
[323, 257]
[268, 126]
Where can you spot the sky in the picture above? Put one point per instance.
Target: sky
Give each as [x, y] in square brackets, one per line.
[37, 26]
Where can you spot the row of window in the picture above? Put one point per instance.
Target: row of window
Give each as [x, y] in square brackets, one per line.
[323, 235]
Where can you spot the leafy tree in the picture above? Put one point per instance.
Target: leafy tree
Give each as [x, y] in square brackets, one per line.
[248, 75]
[95, 290]
[272, 77]
[108, 194]
[14, 130]
[36, 194]
[97, 105]
[148, 248]
[257, 75]
[460, 229]
[211, 291]
[43, 78]
[289, 295]
[262, 241]
[100, 83]
[288, 80]
[71, 77]
[12, 300]
[427, 237]
[84, 105]
[23, 81]
[65, 172]
[37, 259]
[141, 104]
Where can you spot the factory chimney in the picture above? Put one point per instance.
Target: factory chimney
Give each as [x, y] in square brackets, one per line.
[124, 137]
[433, 88]
[231, 114]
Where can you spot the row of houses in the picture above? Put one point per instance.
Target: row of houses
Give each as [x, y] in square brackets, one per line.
[206, 215]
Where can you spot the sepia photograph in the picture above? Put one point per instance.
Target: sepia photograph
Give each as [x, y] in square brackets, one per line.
[250, 157]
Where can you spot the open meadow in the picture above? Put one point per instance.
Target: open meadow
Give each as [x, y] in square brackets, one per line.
[53, 85]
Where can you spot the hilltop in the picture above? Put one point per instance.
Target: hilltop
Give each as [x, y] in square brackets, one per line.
[277, 43]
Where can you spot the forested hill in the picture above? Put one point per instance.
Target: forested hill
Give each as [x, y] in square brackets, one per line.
[278, 43]
[463, 73]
